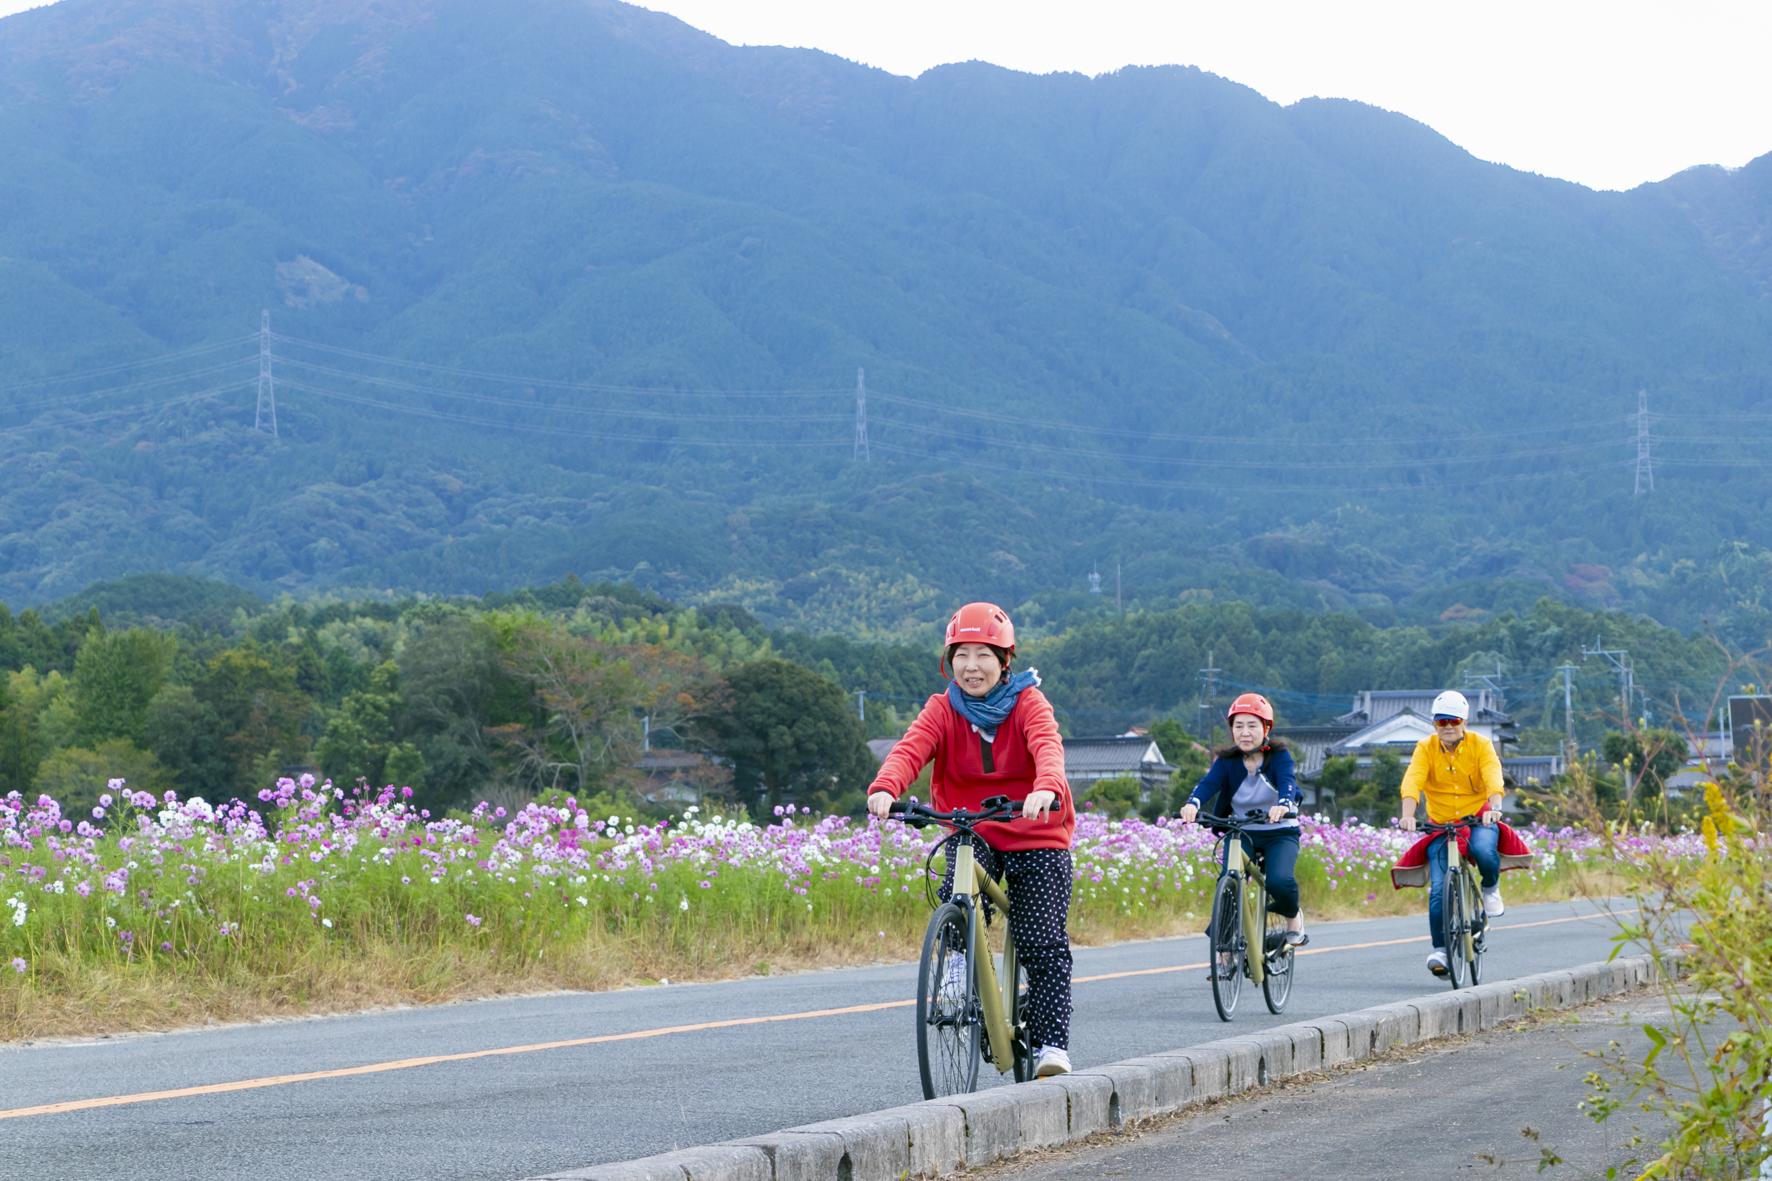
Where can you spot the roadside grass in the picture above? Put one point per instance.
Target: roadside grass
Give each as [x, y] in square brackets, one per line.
[165, 913]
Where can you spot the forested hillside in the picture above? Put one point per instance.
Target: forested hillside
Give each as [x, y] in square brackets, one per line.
[174, 683]
[564, 286]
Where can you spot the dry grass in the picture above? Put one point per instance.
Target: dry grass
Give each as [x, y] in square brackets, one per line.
[382, 970]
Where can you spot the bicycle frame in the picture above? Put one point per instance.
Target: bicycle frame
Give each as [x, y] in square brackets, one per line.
[1253, 917]
[993, 991]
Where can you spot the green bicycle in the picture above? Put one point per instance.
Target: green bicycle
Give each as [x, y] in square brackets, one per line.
[966, 1010]
[1241, 920]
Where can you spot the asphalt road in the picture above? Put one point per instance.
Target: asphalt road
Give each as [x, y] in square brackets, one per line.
[513, 1088]
[1504, 1106]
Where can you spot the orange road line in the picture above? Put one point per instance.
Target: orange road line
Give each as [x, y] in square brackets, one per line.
[279, 1080]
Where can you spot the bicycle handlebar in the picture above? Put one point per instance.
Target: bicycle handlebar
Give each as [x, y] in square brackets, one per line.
[1257, 816]
[920, 815]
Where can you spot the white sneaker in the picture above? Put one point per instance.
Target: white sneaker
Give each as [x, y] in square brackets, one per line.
[1051, 1060]
[1436, 962]
[1492, 903]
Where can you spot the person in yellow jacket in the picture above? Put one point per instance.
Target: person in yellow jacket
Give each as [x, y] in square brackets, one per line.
[1460, 775]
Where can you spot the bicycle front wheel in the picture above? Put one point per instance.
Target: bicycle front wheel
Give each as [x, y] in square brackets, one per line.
[948, 1016]
[1276, 981]
[1479, 925]
[1457, 926]
[1225, 934]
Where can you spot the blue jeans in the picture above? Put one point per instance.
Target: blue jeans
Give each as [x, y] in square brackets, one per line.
[1485, 853]
[1276, 851]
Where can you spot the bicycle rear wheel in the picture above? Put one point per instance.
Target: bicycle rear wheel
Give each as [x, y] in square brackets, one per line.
[1225, 934]
[1276, 981]
[1456, 925]
[1018, 1023]
[948, 1017]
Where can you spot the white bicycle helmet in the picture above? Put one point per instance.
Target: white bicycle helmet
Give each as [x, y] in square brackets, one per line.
[1452, 704]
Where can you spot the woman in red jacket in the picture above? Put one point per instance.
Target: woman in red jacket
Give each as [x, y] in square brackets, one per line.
[993, 734]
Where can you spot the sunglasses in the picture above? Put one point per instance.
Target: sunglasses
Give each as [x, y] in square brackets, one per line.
[1448, 722]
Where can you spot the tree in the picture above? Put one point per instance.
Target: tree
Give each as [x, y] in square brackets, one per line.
[76, 776]
[1116, 798]
[359, 735]
[452, 689]
[585, 725]
[35, 719]
[789, 734]
[184, 735]
[1645, 758]
[116, 675]
[260, 714]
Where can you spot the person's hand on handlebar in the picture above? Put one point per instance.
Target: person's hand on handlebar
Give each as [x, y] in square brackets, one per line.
[1279, 812]
[879, 804]
[1039, 805]
[1189, 810]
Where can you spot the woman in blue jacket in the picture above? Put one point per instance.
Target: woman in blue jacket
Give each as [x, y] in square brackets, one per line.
[1252, 774]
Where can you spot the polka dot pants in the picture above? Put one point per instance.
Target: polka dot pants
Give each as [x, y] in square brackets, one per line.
[1039, 883]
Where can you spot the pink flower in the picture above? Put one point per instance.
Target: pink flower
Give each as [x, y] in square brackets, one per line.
[473, 920]
[19, 965]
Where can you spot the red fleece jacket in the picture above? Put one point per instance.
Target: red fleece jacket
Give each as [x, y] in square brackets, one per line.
[1027, 756]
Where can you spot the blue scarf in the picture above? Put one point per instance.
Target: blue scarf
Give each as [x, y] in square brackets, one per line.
[988, 712]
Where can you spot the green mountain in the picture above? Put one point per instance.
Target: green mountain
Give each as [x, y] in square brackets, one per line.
[567, 286]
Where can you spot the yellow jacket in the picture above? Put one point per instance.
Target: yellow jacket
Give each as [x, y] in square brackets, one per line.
[1457, 783]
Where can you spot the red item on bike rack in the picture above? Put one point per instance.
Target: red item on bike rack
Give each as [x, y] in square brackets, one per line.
[1410, 871]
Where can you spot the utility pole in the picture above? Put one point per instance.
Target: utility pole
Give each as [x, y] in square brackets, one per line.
[1568, 715]
[1620, 660]
[264, 417]
[1645, 464]
[861, 704]
[1493, 682]
[861, 417]
[1119, 603]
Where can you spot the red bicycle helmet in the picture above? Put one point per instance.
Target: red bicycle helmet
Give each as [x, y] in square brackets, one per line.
[978, 623]
[1255, 704]
[981, 623]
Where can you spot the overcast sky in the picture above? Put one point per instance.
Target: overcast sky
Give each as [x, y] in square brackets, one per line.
[1609, 93]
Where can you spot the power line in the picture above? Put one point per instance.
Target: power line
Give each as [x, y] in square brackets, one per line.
[566, 432]
[1460, 439]
[554, 383]
[1286, 464]
[68, 399]
[556, 407]
[121, 366]
[1096, 477]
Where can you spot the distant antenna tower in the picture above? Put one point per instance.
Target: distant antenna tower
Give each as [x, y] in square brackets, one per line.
[861, 416]
[1094, 581]
[265, 417]
[1645, 464]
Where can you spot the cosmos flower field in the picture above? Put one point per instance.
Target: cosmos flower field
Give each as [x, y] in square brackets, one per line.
[315, 897]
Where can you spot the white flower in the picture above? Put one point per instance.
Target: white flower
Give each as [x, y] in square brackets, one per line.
[327, 923]
[683, 903]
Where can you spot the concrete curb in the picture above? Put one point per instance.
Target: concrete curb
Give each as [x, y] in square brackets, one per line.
[941, 1136]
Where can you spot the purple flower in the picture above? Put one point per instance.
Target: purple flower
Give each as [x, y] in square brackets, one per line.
[19, 965]
[473, 920]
